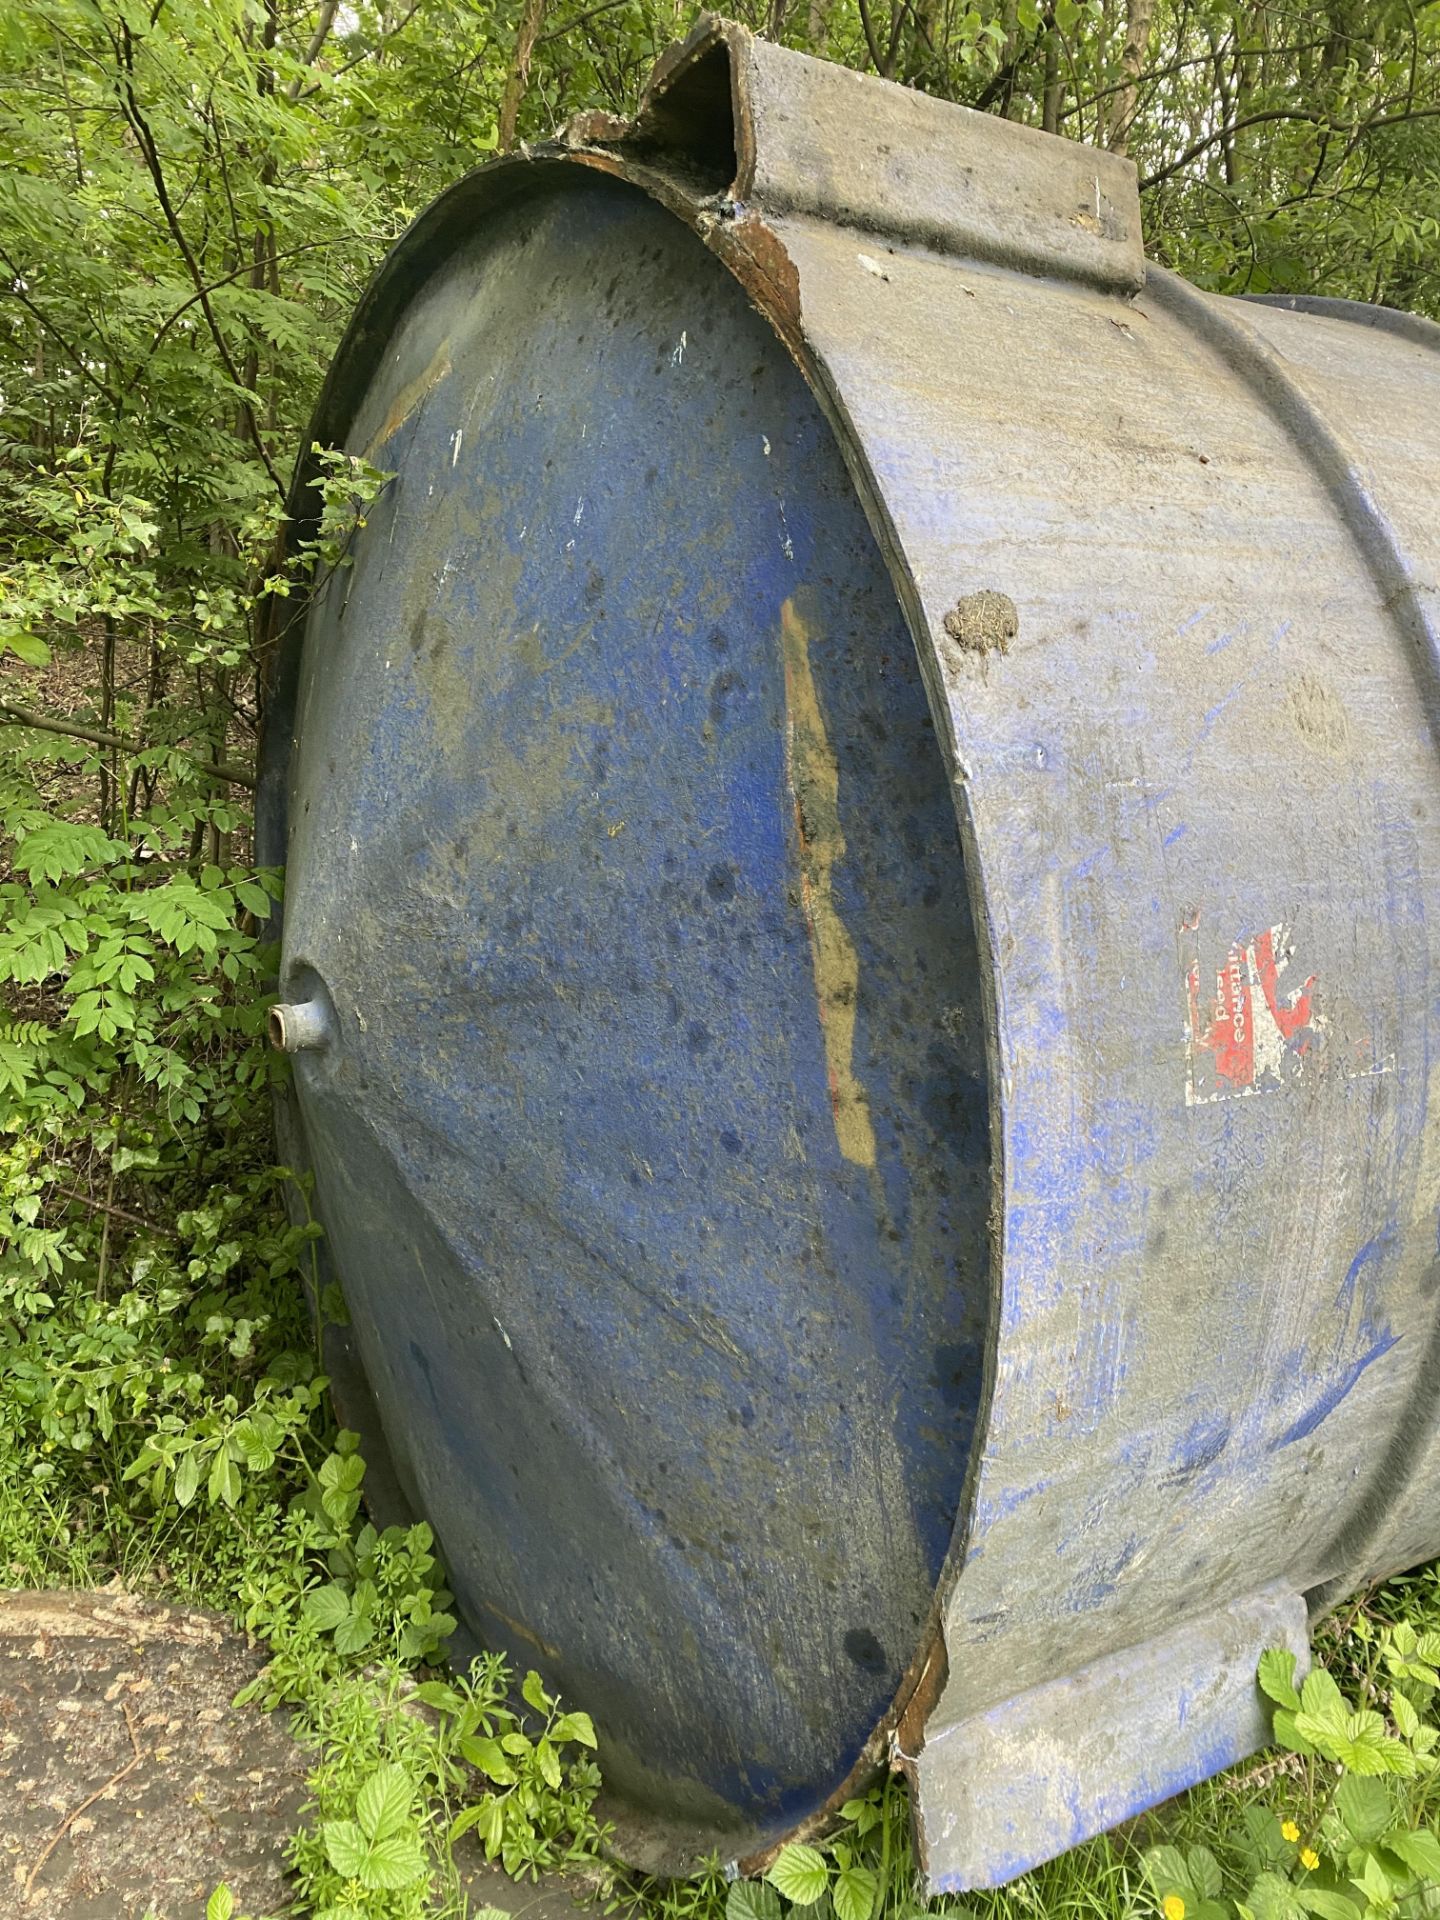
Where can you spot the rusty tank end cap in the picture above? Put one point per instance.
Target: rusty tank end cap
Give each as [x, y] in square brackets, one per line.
[739, 119]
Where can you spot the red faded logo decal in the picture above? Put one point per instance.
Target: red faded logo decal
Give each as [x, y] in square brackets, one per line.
[1256, 1032]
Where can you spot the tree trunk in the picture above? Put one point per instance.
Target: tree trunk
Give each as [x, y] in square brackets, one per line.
[518, 78]
[1138, 16]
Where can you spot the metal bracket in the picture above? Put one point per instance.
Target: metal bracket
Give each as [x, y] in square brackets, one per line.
[785, 134]
[1005, 1789]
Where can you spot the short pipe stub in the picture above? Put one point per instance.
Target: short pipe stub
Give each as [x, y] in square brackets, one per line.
[300, 1026]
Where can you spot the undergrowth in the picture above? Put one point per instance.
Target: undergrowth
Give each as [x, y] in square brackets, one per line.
[192, 194]
[165, 1424]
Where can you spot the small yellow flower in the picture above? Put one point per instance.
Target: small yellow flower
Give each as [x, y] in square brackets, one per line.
[1173, 1907]
[1309, 1859]
[1290, 1831]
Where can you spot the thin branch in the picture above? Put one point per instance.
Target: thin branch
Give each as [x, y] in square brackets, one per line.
[120, 1213]
[213, 286]
[559, 33]
[312, 53]
[76, 357]
[1148, 77]
[1387, 120]
[150, 153]
[1358, 129]
[1198, 147]
[75, 1812]
[98, 737]
[371, 52]
[876, 59]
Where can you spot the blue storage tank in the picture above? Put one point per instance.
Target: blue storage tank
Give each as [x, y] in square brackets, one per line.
[861, 833]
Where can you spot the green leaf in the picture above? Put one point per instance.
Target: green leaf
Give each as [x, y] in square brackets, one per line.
[435, 1693]
[487, 1817]
[489, 1757]
[1276, 1675]
[29, 648]
[1365, 1806]
[327, 1607]
[221, 1903]
[574, 1726]
[1204, 1872]
[383, 1804]
[1288, 1734]
[1374, 1882]
[800, 1873]
[224, 1487]
[1418, 1848]
[752, 1900]
[1406, 1719]
[1321, 1699]
[1274, 1898]
[394, 1860]
[1364, 1746]
[535, 1694]
[345, 1847]
[187, 1477]
[854, 1893]
[1326, 1904]
[354, 1632]
[60, 849]
[549, 1763]
[258, 1453]
[1169, 1872]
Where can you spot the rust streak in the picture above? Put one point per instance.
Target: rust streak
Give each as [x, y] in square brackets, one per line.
[523, 1632]
[409, 398]
[814, 781]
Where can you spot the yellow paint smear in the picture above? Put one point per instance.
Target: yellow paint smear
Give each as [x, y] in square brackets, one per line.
[409, 397]
[814, 778]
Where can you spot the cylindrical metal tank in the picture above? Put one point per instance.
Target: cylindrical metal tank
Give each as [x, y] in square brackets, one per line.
[861, 834]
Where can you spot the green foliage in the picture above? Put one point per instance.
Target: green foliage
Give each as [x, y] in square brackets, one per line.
[192, 194]
[403, 1775]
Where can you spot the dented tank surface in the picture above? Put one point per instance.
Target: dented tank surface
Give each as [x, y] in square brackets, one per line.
[860, 836]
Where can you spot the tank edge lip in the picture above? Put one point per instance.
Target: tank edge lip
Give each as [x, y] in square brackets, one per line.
[1398, 321]
[748, 246]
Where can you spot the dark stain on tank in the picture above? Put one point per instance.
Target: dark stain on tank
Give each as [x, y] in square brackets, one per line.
[722, 686]
[954, 1369]
[697, 1037]
[720, 882]
[865, 1650]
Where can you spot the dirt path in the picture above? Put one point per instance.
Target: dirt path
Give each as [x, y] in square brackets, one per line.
[129, 1785]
